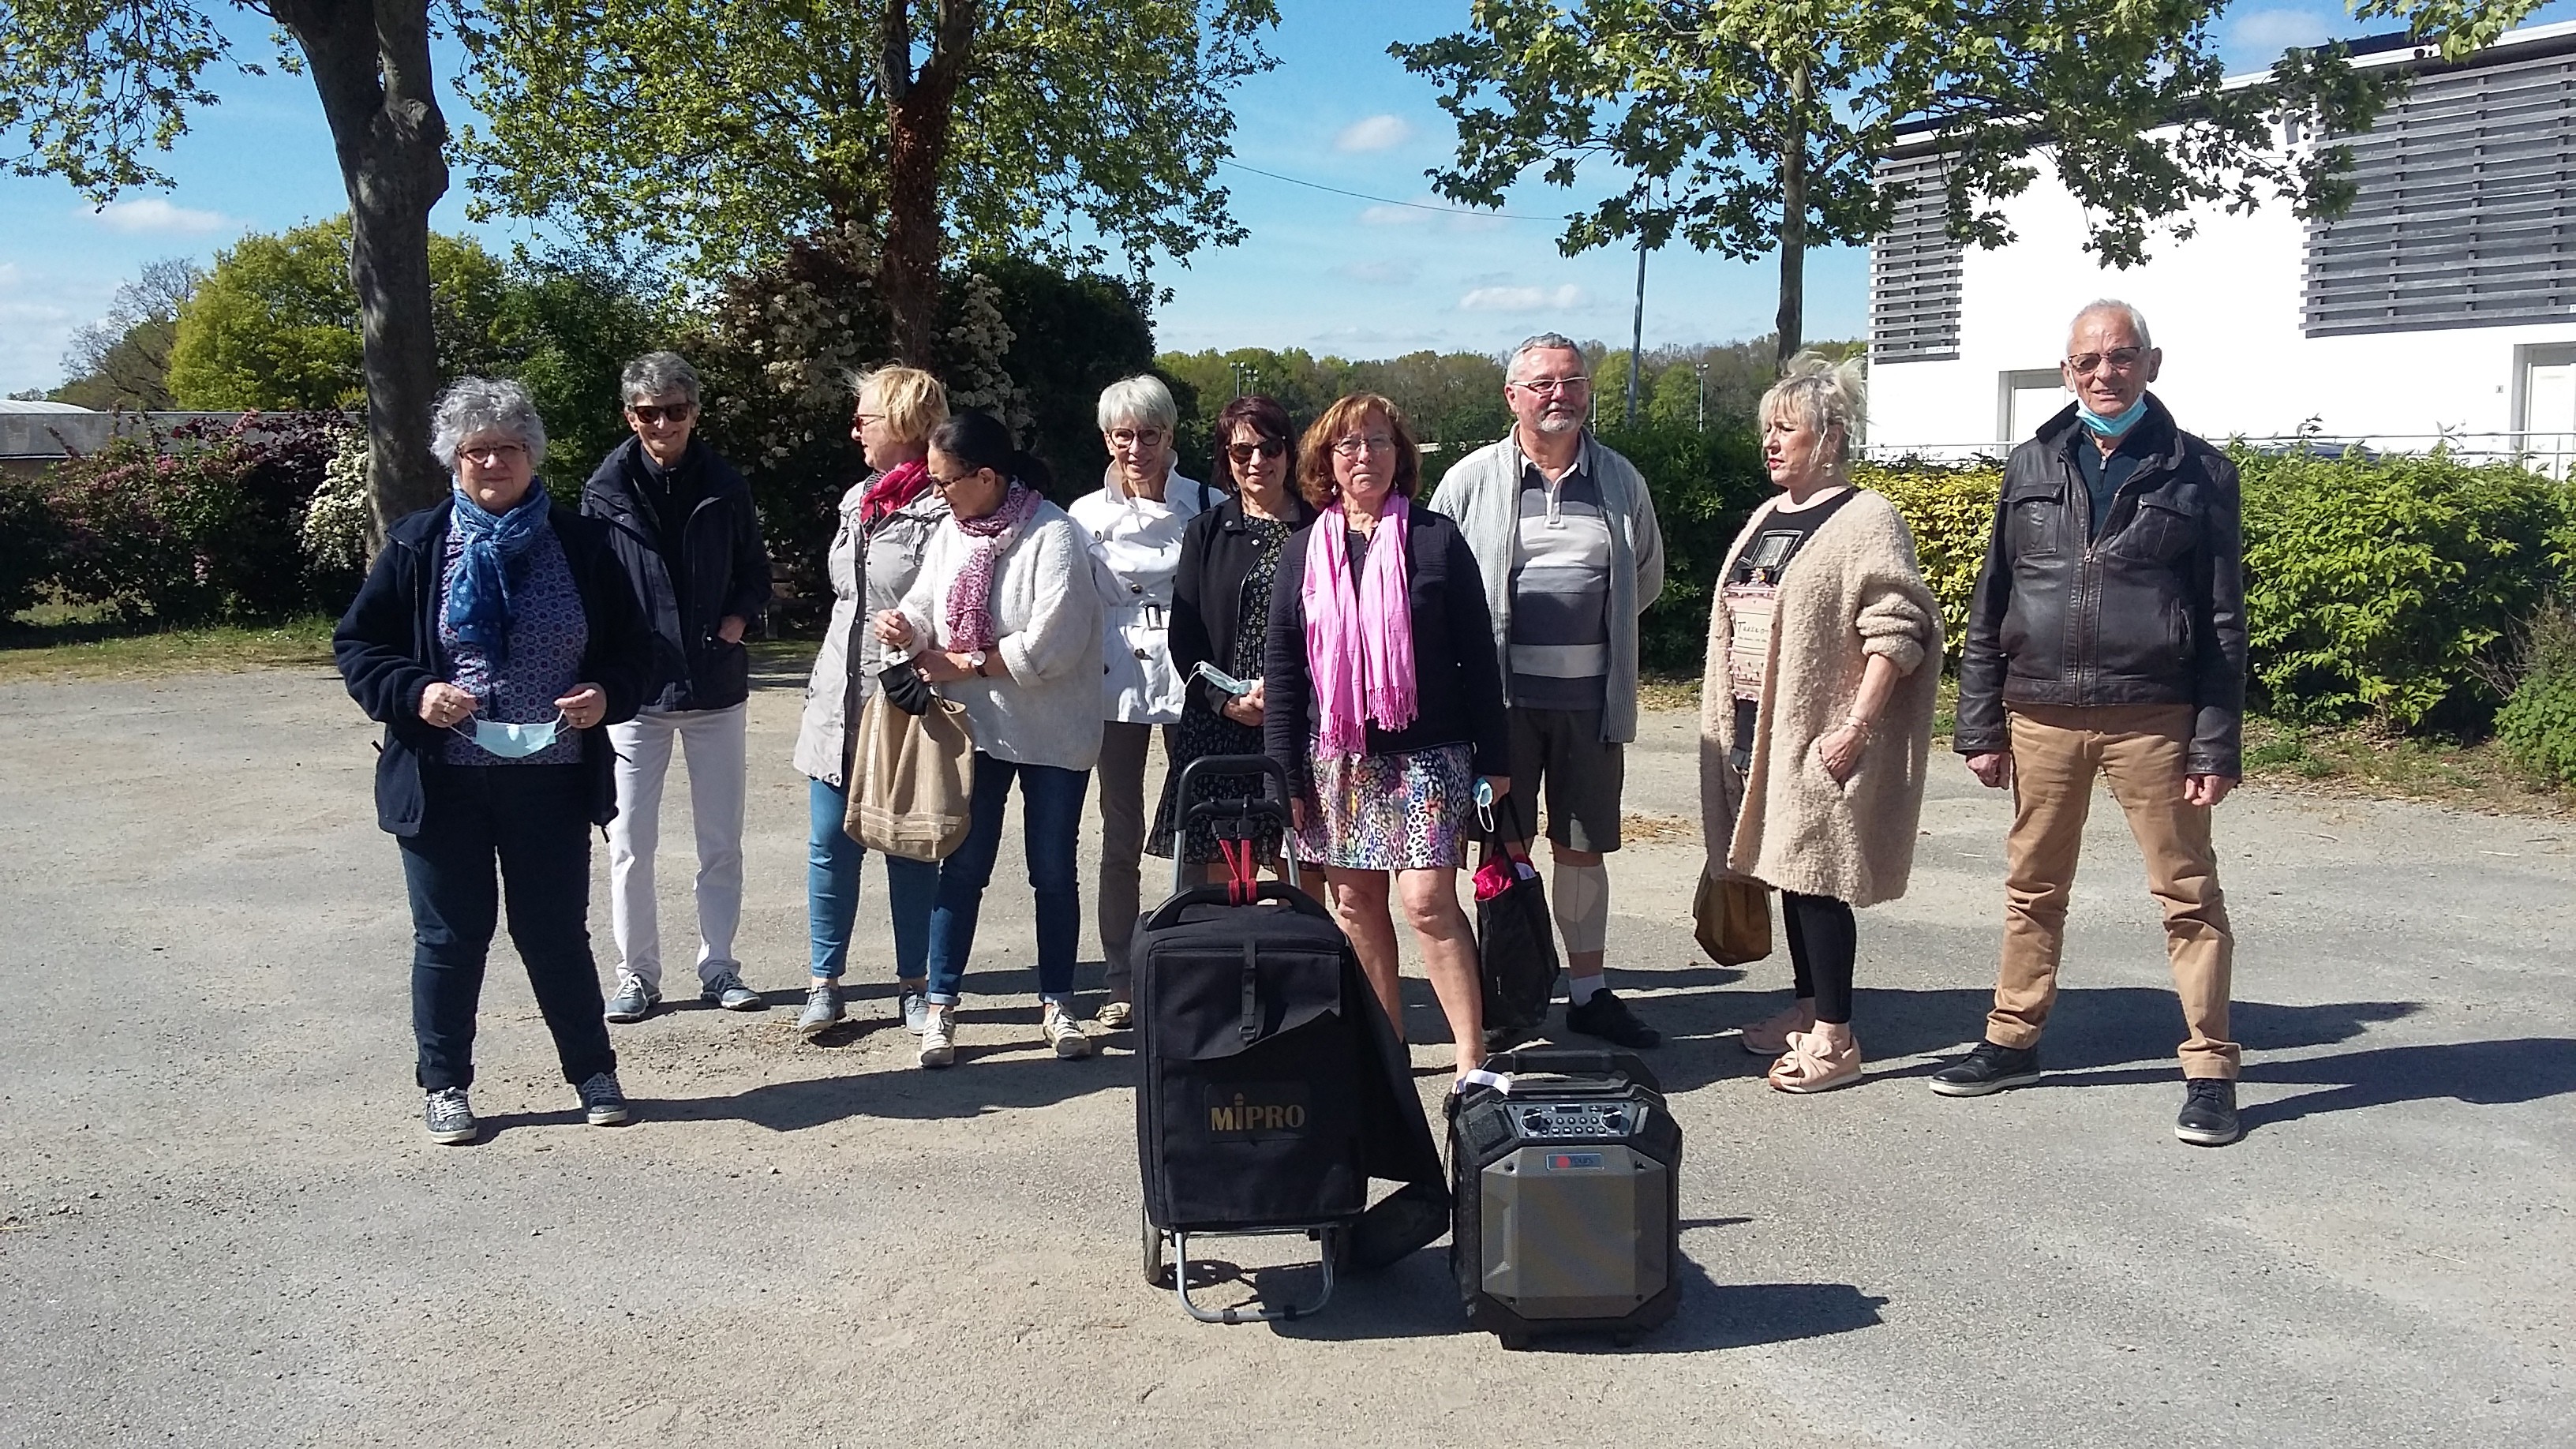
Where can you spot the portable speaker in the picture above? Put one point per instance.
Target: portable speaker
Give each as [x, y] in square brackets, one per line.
[1567, 1175]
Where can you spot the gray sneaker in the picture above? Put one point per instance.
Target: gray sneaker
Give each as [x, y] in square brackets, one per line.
[634, 1000]
[451, 1121]
[916, 1010]
[603, 1102]
[728, 992]
[822, 1008]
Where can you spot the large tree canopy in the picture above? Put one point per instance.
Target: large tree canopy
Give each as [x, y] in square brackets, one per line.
[1749, 126]
[720, 130]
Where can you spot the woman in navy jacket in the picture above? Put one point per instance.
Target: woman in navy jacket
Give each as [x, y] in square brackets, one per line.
[497, 638]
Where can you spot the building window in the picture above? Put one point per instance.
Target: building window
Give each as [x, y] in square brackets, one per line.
[2462, 215]
[2024, 400]
[2544, 405]
[1914, 269]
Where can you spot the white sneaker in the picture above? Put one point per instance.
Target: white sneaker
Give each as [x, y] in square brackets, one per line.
[939, 1037]
[1064, 1033]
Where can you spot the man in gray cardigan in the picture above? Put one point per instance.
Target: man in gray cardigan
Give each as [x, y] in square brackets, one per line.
[1564, 532]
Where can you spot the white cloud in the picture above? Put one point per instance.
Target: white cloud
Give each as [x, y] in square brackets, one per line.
[1389, 273]
[1427, 210]
[1522, 299]
[1376, 133]
[1391, 214]
[2276, 30]
[8, 274]
[152, 214]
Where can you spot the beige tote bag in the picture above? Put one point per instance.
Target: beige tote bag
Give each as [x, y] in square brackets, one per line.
[913, 794]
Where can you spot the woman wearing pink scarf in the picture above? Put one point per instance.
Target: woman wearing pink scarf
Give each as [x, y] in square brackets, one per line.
[1385, 703]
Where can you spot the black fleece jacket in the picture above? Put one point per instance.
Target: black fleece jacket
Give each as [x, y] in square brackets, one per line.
[722, 569]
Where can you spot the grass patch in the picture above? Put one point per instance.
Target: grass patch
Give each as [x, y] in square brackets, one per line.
[75, 644]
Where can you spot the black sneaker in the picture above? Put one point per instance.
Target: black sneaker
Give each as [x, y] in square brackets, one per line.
[1609, 1018]
[1988, 1068]
[2208, 1113]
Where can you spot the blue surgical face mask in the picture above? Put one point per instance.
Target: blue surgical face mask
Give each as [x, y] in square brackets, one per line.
[512, 741]
[2113, 427]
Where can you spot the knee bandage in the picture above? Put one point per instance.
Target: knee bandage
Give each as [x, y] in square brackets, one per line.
[1582, 904]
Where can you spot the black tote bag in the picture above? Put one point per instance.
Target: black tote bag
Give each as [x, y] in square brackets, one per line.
[1515, 937]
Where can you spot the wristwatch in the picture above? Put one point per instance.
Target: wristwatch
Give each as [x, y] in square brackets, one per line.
[975, 660]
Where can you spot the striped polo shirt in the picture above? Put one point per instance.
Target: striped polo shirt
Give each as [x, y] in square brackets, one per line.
[1560, 639]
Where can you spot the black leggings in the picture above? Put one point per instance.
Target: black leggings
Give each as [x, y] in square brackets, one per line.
[1822, 942]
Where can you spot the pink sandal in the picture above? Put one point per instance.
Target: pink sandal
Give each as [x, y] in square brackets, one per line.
[1770, 1037]
[1810, 1065]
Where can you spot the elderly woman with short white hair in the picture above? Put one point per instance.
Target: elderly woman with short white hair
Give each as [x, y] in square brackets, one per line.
[1135, 525]
[1824, 649]
[496, 640]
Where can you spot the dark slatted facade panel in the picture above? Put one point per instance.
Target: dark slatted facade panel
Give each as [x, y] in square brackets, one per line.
[2465, 213]
[1914, 271]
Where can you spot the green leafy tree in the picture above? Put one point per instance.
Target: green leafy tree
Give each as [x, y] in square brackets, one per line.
[1746, 127]
[277, 324]
[723, 130]
[92, 92]
[122, 361]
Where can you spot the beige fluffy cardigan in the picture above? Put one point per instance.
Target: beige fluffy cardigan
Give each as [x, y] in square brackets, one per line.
[1852, 591]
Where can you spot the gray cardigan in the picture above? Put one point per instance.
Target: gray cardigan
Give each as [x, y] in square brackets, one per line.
[1483, 492]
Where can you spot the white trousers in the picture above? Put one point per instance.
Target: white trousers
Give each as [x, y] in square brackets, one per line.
[719, 774]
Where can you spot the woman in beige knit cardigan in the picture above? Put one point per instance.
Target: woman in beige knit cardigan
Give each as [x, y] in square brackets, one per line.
[1824, 649]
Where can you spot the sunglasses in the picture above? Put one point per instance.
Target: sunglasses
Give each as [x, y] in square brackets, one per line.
[650, 415]
[1265, 448]
[2118, 359]
[944, 484]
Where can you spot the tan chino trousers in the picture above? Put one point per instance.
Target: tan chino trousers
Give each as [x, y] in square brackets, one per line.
[2140, 751]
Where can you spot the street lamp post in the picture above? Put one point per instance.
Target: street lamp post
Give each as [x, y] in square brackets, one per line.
[1702, 367]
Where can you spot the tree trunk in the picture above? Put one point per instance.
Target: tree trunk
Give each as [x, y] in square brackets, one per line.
[919, 109]
[370, 63]
[1789, 328]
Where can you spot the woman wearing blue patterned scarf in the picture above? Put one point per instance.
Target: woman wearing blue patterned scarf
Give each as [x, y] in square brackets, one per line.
[496, 638]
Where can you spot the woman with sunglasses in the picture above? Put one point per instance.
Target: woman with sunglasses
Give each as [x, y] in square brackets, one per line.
[1384, 703]
[1005, 620]
[1221, 618]
[1134, 523]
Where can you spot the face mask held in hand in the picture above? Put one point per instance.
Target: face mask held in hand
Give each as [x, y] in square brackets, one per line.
[512, 741]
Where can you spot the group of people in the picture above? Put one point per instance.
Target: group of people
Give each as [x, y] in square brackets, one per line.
[1430, 673]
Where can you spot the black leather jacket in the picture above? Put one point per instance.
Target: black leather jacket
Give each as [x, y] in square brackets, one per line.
[2150, 612]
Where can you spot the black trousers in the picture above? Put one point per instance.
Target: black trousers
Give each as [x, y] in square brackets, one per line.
[1822, 943]
[535, 820]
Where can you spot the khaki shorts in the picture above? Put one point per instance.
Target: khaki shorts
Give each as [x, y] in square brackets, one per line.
[1558, 755]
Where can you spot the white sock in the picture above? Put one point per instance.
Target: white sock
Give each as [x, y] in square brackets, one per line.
[1581, 988]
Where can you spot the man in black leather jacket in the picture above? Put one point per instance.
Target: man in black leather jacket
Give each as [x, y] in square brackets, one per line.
[2108, 637]
[681, 521]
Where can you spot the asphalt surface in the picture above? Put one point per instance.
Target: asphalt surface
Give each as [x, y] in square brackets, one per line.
[221, 1223]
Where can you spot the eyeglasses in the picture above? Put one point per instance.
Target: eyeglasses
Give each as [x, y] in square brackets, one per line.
[491, 455]
[1551, 386]
[861, 420]
[1137, 437]
[1373, 443]
[946, 483]
[1266, 447]
[2118, 359]
[651, 415]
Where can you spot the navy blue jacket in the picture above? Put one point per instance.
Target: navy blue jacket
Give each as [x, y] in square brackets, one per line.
[387, 650]
[722, 568]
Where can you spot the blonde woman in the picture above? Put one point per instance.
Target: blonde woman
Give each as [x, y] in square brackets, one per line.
[1824, 649]
[887, 519]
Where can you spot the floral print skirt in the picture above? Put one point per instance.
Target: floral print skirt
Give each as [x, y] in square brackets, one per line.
[1390, 812]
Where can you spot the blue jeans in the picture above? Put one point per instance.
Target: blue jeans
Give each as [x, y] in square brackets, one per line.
[1050, 823]
[536, 820]
[832, 861]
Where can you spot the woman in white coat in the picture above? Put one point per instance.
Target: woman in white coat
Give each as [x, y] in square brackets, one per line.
[1005, 620]
[1135, 524]
[887, 519]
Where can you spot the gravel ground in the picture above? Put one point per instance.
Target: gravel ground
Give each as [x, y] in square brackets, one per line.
[221, 1224]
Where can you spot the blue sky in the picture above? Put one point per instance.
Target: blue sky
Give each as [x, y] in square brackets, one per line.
[1329, 272]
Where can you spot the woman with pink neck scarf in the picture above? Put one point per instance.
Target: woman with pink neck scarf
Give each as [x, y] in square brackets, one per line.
[1385, 704]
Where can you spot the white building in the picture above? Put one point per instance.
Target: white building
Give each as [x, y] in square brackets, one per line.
[2443, 304]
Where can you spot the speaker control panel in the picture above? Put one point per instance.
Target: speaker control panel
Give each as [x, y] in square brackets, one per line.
[1551, 1121]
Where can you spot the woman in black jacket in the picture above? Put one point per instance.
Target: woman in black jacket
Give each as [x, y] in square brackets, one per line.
[1385, 704]
[496, 638]
[1221, 613]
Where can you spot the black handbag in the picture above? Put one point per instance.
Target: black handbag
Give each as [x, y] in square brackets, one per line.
[905, 689]
[1515, 937]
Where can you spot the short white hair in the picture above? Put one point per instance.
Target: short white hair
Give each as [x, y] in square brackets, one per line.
[658, 374]
[485, 405]
[2099, 305]
[1140, 401]
[1824, 395]
[1543, 342]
